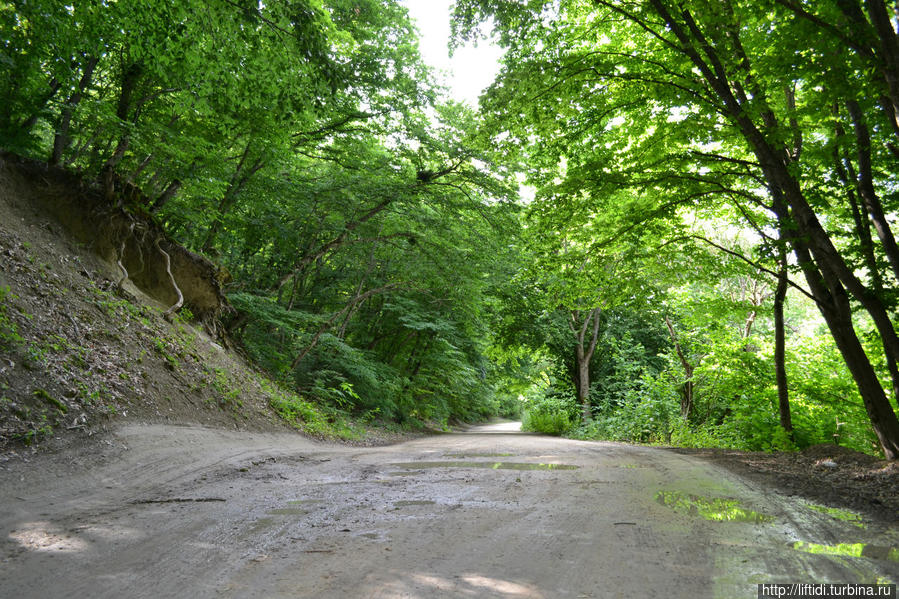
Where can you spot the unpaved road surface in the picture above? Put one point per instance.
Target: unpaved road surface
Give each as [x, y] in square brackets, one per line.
[164, 511]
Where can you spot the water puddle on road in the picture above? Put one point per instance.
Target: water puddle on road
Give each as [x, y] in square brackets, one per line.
[490, 465]
[477, 455]
[839, 514]
[715, 509]
[849, 550]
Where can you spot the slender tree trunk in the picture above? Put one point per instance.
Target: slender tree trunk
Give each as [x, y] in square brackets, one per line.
[583, 354]
[846, 173]
[866, 187]
[238, 180]
[61, 139]
[327, 325]
[888, 53]
[26, 125]
[780, 367]
[339, 240]
[686, 403]
[882, 417]
[170, 192]
[130, 77]
[747, 326]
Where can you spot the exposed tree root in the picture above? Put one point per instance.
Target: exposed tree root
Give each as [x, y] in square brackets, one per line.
[168, 269]
[121, 255]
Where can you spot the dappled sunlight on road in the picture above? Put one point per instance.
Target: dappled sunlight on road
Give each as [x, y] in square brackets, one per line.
[502, 587]
[423, 585]
[44, 536]
[47, 537]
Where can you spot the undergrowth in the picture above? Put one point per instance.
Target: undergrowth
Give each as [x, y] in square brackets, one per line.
[308, 417]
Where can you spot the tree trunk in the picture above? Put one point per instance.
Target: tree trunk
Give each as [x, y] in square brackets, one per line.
[26, 125]
[583, 355]
[833, 302]
[130, 77]
[686, 402]
[327, 324]
[61, 139]
[583, 388]
[170, 191]
[866, 187]
[238, 180]
[780, 367]
[846, 173]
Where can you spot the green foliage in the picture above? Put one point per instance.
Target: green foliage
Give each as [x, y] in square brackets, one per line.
[646, 412]
[228, 392]
[304, 145]
[554, 414]
[9, 331]
[307, 416]
[380, 269]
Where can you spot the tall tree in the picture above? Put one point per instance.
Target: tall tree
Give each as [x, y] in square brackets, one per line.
[699, 102]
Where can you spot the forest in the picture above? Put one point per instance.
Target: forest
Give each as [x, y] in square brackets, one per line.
[666, 222]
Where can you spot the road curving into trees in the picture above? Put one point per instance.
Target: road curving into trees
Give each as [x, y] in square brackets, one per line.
[166, 511]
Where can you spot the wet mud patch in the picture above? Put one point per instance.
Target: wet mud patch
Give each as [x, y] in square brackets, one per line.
[488, 465]
[858, 481]
[847, 516]
[477, 455]
[866, 550]
[714, 509]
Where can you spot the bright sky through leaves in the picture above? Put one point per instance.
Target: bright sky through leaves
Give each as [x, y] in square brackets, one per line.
[471, 69]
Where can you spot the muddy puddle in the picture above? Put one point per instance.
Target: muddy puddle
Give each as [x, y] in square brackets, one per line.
[867, 550]
[477, 455]
[714, 509]
[490, 465]
[839, 514]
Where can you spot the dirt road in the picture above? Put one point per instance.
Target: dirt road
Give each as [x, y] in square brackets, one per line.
[164, 511]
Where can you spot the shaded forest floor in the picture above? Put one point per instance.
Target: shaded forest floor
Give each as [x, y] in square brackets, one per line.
[827, 474]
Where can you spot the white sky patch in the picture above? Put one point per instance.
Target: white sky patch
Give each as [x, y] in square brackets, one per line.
[471, 69]
[678, 114]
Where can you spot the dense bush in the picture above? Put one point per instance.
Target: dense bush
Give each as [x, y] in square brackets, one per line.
[554, 414]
